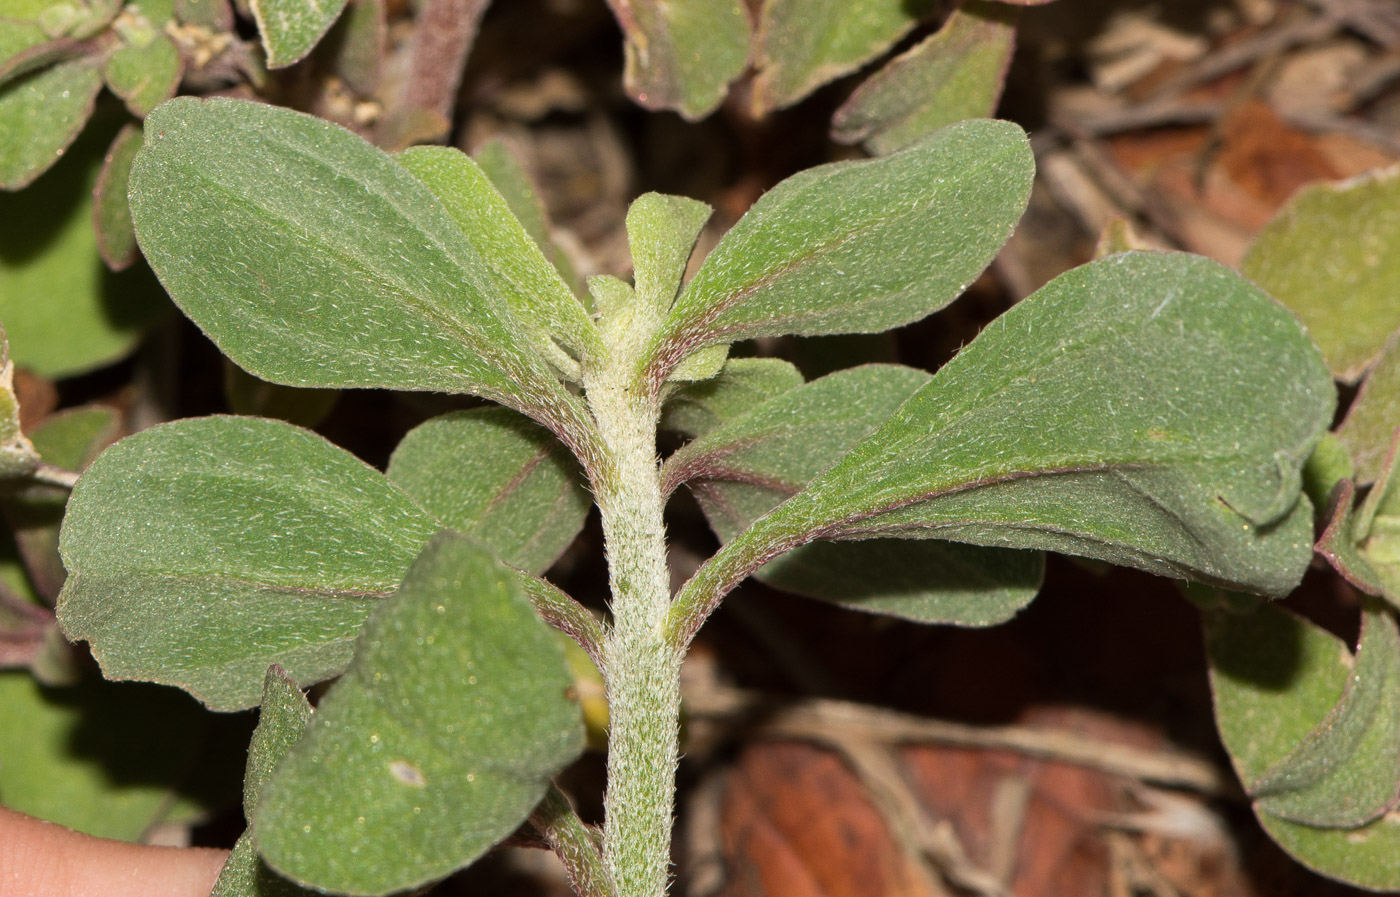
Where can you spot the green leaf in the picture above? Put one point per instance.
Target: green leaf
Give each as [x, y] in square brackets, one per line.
[435, 744]
[204, 550]
[291, 28]
[1327, 466]
[355, 45]
[955, 73]
[858, 246]
[1346, 773]
[682, 54]
[661, 232]
[496, 476]
[1276, 677]
[512, 181]
[1362, 856]
[532, 287]
[111, 213]
[696, 408]
[145, 76]
[1375, 532]
[103, 758]
[313, 259]
[1150, 410]
[40, 115]
[246, 875]
[802, 44]
[923, 581]
[282, 721]
[1329, 254]
[743, 468]
[64, 312]
[1372, 418]
[283, 716]
[1339, 544]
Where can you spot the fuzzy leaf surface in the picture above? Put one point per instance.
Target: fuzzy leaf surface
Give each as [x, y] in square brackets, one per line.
[145, 76]
[803, 44]
[513, 182]
[661, 232]
[291, 28]
[954, 74]
[40, 115]
[742, 469]
[1276, 677]
[532, 286]
[1347, 772]
[855, 247]
[1372, 418]
[681, 55]
[111, 213]
[697, 408]
[1150, 410]
[282, 719]
[494, 475]
[1329, 255]
[313, 259]
[436, 744]
[204, 550]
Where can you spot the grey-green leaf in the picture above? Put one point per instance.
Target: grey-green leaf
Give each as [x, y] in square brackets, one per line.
[438, 741]
[743, 468]
[802, 44]
[145, 76]
[291, 28]
[204, 550]
[858, 246]
[682, 54]
[1150, 410]
[498, 162]
[111, 211]
[953, 74]
[282, 721]
[1375, 414]
[532, 287]
[1347, 772]
[1276, 677]
[314, 259]
[697, 408]
[496, 476]
[661, 232]
[1330, 255]
[40, 115]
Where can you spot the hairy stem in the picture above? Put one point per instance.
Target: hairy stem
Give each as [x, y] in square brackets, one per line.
[642, 669]
[574, 843]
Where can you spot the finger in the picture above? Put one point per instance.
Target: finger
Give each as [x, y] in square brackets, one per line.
[42, 859]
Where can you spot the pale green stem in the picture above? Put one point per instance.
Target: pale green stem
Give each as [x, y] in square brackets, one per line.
[642, 669]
